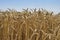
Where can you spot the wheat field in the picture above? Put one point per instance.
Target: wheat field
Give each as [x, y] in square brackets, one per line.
[29, 25]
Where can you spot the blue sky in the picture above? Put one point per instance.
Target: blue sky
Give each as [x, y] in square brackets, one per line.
[52, 5]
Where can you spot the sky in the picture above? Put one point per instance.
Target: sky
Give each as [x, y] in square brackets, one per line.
[51, 5]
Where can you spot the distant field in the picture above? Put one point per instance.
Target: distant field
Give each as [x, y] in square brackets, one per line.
[29, 25]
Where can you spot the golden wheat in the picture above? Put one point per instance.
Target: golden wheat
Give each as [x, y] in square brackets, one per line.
[29, 25]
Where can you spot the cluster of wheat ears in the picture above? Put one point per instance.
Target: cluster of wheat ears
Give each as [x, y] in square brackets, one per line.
[29, 25]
